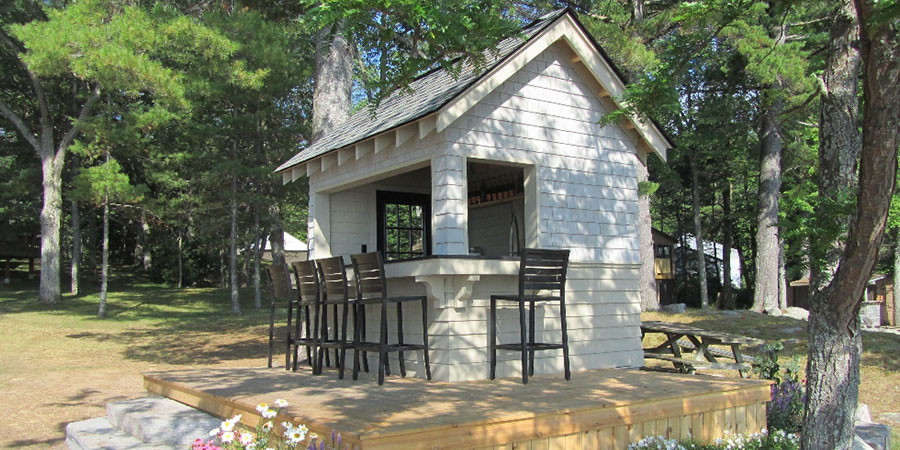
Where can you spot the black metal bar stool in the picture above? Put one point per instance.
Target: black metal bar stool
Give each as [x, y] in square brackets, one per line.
[335, 292]
[308, 287]
[542, 278]
[371, 289]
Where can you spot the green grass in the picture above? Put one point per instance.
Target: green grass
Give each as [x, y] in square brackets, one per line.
[879, 367]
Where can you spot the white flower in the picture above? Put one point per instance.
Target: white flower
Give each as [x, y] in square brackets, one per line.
[227, 425]
[214, 432]
[295, 436]
[267, 426]
[237, 418]
[269, 413]
[245, 438]
[280, 402]
[250, 446]
[303, 429]
[262, 407]
[227, 436]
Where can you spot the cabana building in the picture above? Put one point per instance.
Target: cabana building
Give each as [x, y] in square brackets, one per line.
[451, 180]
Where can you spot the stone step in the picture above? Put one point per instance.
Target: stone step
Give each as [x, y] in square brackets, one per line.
[100, 434]
[158, 420]
[150, 423]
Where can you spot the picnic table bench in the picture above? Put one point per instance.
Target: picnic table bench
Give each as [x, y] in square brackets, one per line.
[681, 337]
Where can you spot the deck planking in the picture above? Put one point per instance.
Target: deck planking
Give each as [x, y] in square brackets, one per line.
[413, 413]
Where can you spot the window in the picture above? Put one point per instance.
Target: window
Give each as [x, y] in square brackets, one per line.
[404, 225]
[663, 251]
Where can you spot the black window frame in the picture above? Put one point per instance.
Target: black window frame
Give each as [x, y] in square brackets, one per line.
[662, 251]
[384, 198]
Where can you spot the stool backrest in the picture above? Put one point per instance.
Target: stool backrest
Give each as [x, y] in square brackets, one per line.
[543, 270]
[279, 281]
[368, 268]
[333, 277]
[307, 278]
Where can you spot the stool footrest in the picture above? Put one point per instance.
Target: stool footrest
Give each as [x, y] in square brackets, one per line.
[536, 346]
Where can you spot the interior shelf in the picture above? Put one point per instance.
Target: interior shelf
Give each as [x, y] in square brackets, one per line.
[496, 202]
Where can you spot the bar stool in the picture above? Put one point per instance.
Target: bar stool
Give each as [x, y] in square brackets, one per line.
[335, 292]
[280, 290]
[371, 289]
[540, 272]
[308, 287]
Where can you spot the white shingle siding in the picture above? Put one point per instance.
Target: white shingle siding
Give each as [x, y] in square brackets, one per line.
[548, 116]
[448, 178]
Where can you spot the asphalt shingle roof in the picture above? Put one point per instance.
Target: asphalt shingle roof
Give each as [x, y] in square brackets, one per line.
[429, 93]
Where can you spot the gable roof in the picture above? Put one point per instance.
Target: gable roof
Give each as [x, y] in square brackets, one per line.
[439, 91]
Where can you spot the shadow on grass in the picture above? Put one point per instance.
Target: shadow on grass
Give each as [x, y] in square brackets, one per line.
[161, 324]
[44, 443]
[879, 349]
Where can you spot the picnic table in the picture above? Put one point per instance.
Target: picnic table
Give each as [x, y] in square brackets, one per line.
[681, 338]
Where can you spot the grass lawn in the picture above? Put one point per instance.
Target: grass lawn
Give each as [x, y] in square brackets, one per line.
[62, 364]
[880, 367]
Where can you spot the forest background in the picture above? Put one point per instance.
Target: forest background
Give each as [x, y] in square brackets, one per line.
[140, 136]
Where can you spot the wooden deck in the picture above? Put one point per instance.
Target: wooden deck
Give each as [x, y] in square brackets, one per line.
[596, 409]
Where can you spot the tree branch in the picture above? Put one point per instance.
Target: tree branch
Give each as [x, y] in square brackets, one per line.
[403, 40]
[20, 125]
[85, 112]
[805, 102]
[46, 123]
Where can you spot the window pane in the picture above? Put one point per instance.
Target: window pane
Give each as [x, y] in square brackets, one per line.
[403, 215]
[392, 240]
[391, 214]
[417, 216]
[403, 240]
[418, 244]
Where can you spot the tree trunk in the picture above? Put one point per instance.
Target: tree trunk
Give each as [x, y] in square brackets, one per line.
[257, 255]
[91, 256]
[745, 271]
[76, 245]
[223, 270]
[276, 241]
[727, 294]
[896, 289]
[832, 371]
[765, 295]
[682, 245]
[782, 277]
[832, 377]
[637, 11]
[839, 140]
[698, 231]
[649, 298]
[51, 210]
[144, 256]
[232, 254]
[104, 264]
[333, 80]
[180, 262]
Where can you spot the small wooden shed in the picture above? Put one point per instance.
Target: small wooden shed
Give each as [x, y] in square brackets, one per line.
[451, 180]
